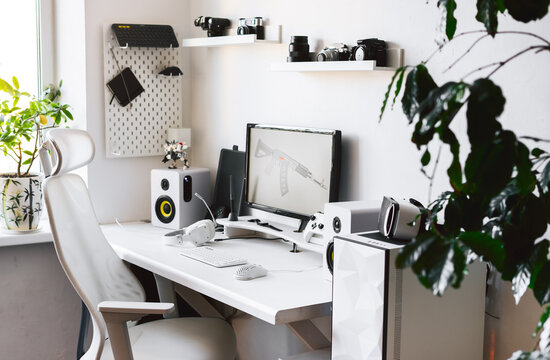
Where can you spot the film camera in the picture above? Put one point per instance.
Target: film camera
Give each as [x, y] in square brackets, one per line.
[370, 49]
[213, 26]
[253, 25]
[334, 52]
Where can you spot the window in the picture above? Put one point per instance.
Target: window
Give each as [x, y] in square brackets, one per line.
[20, 55]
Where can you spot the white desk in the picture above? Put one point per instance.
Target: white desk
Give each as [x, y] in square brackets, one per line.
[282, 296]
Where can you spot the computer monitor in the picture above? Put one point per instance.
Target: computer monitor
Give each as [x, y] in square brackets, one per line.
[292, 171]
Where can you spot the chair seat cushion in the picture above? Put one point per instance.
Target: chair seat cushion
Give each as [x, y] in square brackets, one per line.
[180, 338]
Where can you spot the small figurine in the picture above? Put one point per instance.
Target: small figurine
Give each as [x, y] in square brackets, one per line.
[175, 151]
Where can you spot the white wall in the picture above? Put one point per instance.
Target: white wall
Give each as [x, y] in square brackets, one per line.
[233, 86]
[120, 187]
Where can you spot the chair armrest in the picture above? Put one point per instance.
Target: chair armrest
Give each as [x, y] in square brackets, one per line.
[117, 313]
[135, 307]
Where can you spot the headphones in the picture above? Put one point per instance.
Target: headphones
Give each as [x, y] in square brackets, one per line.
[193, 235]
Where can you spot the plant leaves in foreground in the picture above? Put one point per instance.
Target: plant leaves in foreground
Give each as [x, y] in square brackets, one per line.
[450, 19]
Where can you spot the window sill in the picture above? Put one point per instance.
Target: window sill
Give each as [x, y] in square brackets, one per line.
[42, 235]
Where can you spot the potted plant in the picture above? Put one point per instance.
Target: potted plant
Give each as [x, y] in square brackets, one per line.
[23, 119]
[498, 205]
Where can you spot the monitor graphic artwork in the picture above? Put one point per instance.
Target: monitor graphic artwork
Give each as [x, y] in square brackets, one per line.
[292, 171]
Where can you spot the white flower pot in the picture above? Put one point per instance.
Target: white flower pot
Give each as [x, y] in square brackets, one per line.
[21, 202]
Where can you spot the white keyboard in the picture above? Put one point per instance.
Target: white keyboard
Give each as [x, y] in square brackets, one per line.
[214, 257]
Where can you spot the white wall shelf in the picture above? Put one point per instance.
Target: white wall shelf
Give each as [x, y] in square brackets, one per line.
[272, 36]
[395, 59]
[313, 66]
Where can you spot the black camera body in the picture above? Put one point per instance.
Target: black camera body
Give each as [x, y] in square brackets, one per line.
[253, 25]
[370, 49]
[334, 52]
[213, 26]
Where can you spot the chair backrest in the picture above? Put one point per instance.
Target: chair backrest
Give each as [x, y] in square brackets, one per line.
[93, 268]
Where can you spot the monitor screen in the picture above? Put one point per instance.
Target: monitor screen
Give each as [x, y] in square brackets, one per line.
[292, 171]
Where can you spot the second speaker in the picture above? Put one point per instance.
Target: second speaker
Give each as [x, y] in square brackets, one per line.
[173, 204]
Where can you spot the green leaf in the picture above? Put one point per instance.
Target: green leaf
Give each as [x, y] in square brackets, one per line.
[417, 87]
[450, 19]
[485, 104]
[538, 259]
[525, 177]
[6, 87]
[521, 281]
[485, 246]
[543, 318]
[15, 82]
[28, 152]
[399, 72]
[437, 110]
[436, 267]
[426, 157]
[527, 10]
[487, 14]
[536, 152]
[489, 166]
[545, 177]
[455, 169]
[535, 355]
[541, 288]
[27, 162]
[398, 85]
[67, 114]
[410, 253]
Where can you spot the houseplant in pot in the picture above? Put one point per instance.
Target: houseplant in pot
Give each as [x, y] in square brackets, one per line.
[23, 119]
[498, 204]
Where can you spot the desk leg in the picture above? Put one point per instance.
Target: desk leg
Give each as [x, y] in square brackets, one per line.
[166, 292]
[309, 334]
[197, 302]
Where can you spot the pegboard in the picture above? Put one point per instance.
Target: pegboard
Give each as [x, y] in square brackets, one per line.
[139, 129]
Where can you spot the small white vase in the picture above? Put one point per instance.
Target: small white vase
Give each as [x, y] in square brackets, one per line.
[21, 202]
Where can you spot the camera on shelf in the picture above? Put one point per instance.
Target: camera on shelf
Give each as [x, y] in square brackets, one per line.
[213, 26]
[253, 25]
[334, 52]
[370, 49]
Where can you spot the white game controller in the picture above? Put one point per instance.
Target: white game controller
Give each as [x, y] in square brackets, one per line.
[315, 227]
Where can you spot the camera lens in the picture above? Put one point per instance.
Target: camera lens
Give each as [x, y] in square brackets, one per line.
[243, 30]
[298, 39]
[298, 49]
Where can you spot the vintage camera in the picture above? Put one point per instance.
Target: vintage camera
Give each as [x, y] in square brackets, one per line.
[370, 49]
[213, 26]
[298, 49]
[253, 25]
[334, 52]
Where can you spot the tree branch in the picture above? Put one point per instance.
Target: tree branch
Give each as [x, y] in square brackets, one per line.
[500, 64]
[433, 174]
[465, 53]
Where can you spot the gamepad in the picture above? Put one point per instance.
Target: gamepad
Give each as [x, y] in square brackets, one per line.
[314, 227]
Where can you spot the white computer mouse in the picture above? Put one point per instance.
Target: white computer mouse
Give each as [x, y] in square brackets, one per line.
[250, 271]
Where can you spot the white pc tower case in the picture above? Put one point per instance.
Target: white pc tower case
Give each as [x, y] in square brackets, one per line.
[384, 313]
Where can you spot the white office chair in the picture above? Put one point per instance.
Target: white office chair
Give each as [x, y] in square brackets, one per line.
[110, 291]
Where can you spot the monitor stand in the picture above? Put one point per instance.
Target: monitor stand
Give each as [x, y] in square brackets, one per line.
[273, 230]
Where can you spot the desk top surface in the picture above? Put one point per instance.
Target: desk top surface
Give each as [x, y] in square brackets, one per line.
[294, 288]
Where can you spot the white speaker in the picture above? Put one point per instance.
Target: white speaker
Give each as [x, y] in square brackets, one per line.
[350, 217]
[173, 204]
